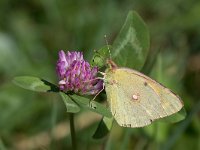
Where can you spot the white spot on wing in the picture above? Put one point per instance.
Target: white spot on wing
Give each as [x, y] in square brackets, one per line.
[135, 97]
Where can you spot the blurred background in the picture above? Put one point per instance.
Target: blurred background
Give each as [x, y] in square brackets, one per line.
[31, 34]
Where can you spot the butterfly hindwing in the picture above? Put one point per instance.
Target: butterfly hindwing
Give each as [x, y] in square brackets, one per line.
[136, 100]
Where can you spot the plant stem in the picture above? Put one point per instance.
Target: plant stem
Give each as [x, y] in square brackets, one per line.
[72, 130]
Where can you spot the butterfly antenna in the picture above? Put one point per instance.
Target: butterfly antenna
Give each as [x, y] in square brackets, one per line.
[107, 45]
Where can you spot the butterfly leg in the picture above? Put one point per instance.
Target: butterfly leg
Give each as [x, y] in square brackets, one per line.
[98, 92]
[102, 73]
[90, 102]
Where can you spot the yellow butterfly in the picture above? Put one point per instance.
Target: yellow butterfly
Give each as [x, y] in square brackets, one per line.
[135, 99]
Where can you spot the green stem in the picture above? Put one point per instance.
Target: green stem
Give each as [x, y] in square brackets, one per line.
[72, 129]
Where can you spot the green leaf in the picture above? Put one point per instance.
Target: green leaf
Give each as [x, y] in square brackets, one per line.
[35, 84]
[94, 106]
[2, 145]
[126, 139]
[181, 128]
[71, 106]
[131, 46]
[175, 117]
[99, 58]
[103, 128]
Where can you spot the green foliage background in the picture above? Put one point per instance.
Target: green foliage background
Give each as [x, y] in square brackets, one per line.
[31, 34]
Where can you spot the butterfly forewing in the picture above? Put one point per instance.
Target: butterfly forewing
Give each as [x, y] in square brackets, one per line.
[136, 100]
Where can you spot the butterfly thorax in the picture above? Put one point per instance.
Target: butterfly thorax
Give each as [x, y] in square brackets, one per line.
[111, 64]
[110, 72]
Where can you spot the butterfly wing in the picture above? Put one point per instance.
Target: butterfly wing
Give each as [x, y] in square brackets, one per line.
[136, 100]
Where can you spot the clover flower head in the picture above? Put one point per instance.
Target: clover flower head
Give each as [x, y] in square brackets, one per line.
[75, 74]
